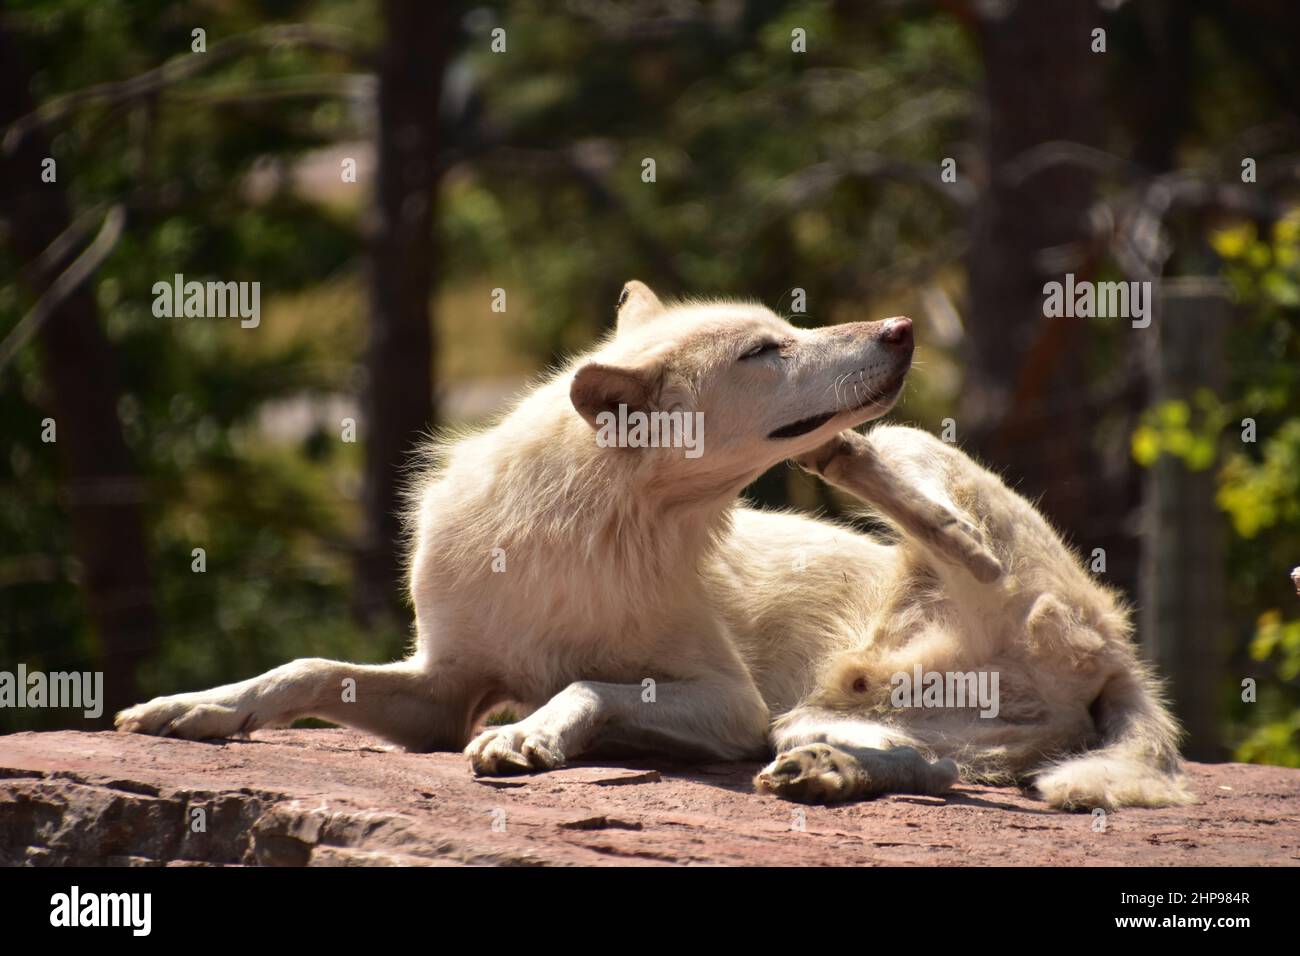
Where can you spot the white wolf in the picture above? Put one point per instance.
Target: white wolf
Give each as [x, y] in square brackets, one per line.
[628, 596]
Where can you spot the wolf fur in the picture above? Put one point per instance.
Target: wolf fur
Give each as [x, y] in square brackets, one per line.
[629, 597]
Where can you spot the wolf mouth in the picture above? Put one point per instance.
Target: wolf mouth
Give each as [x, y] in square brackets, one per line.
[806, 425]
[803, 426]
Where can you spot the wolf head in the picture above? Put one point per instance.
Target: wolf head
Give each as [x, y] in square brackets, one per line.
[743, 388]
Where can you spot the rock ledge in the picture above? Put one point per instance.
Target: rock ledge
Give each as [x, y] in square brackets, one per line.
[335, 797]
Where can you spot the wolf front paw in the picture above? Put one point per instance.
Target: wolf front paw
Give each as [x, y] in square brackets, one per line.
[813, 773]
[183, 716]
[513, 749]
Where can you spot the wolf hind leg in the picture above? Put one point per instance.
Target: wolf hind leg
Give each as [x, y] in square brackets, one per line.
[824, 757]
[823, 773]
[908, 483]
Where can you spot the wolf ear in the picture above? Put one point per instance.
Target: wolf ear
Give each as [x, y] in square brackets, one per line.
[600, 388]
[637, 305]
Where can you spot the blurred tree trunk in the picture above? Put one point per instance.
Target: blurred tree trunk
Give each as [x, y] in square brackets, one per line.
[1025, 405]
[1183, 563]
[102, 490]
[398, 400]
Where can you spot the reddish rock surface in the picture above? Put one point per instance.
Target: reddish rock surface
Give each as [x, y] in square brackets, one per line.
[325, 797]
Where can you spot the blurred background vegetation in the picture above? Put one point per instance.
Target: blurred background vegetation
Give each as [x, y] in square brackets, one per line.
[499, 146]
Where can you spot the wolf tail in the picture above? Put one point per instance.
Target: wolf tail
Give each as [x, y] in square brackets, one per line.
[1137, 764]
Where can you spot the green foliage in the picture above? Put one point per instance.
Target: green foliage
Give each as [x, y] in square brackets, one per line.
[1260, 481]
[731, 119]
[1252, 435]
[199, 396]
[1169, 428]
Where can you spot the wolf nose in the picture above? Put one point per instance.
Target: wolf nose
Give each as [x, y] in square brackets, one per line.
[897, 331]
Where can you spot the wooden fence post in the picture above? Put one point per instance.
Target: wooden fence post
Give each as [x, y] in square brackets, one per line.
[1182, 621]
